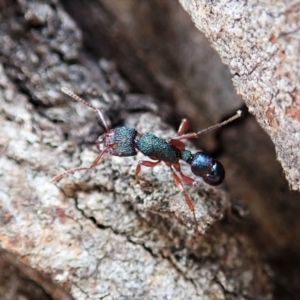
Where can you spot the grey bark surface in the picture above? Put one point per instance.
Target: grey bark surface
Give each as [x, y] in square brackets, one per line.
[259, 41]
[182, 69]
[98, 234]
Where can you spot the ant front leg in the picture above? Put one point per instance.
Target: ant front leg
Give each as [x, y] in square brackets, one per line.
[145, 163]
[93, 165]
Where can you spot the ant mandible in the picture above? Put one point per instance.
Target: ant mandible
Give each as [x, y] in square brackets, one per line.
[126, 141]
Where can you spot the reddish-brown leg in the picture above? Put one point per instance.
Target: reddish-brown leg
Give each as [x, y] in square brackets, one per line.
[145, 163]
[93, 165]
[180, 145]
[194, 135]
[182, 129]
[191, 135]
[185, 178]
[183, 191]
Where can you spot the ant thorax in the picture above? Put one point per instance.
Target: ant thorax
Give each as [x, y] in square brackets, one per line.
[157, 148]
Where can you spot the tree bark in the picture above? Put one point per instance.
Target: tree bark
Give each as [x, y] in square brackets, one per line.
[259, 41]
[99, 234]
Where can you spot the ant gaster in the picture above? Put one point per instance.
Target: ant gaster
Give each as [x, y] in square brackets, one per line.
[126, 141]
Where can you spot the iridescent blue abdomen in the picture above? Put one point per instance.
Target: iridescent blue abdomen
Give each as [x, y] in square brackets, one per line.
[154, 147]
[211, 170]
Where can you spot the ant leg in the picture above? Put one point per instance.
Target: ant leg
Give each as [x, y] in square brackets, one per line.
[184, 126]
[184, 177]
[194, 135]
[93, 165]
[179, 144]
[183, 191]
[145, 163]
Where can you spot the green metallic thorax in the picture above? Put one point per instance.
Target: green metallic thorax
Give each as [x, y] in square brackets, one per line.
[157, 148]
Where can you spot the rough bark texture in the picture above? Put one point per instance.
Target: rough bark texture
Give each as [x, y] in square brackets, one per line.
[99, 234]
[180, 67]
[259, 41]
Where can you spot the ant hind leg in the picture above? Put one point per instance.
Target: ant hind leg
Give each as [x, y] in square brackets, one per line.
[188, 200]
[184, 177]
[184, 126]
[193, 135]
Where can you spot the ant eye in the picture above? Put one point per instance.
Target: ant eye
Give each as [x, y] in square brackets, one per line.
[216, 174]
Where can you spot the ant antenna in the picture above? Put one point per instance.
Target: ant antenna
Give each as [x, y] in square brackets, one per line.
[77, 98]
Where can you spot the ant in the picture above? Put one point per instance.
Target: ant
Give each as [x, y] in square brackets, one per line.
[126, 141]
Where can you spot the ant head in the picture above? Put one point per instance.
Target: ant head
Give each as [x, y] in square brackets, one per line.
[211, 170]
